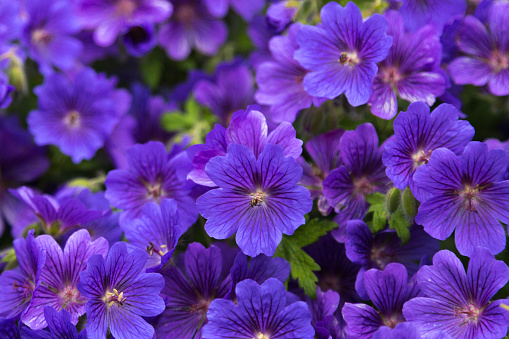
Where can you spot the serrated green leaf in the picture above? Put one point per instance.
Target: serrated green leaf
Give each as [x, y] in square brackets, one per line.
[401, 225]
[379, 210]
[310, 232]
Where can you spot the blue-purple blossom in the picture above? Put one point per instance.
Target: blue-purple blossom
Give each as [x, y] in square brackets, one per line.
[417, 13]
[341, 53]
[11, 25]
[152, 175]
[119, 294]
[486, 51]
[247, 9]
[468, 196]
[260, 31]
[18, 284]
[327, 319]
[388, 290]
[9, 329]
[417, 133]
[458, 302]
[156, 231]
[78, 114]
[260, 313]
[109, 18]
[140, 39]
[59, 325]
[411, 70]
[191, 26]
[258, 199]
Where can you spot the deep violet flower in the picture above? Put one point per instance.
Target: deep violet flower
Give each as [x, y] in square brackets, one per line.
[327, 319]
[341, 54]
[190, 289]
[468, 196]
[458, 303]
[153, 175]
[109, 18]
[388, 290]
[486, 51]
[219, 138]
[48, 34]
[9, 329]
[18, 284]
[77, 115]
[191, 25]
[60, 277]
[411, 70]
[119, 294]
[257, 198]
[362, 173]
[140, 40]
[230, 89]
[59, 325]
[418, 132]
[417, 13]
[280, 80]
[260, 313]
[247, 9]
[156, 231]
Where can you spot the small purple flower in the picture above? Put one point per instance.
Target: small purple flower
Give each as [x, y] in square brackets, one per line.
[230, 90]
[59, 324]
[280, 14]
[140, 40]
[341, 54]
[18, 284]
[486, 59]
[191, 25]
[219, 138]
[388, 290]
[120, 294]
[48, 34]
[60, 277]
[153, 175]
[327, 319]
[458, 303]
[411, 70]
[77, 115]
[189, 292]
[280, 80]
[417, 13]
[109, 18]
[418, 133]
[467, 195]
[362, 173]
[260, 313]
[247, 9]
[379, 250]
[257, 198]
[156, 231]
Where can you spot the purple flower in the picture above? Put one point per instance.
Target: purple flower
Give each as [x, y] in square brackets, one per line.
[458, 303]
[257, 198]
[60, 277]
[260, 313]
[48, 34]
[388, 290]
[189, 292]
[5, 91]
[120, 294]
[140, 40]
[219, 138]
[341, 54]
[418, 133]
[417, 13]
[411, 70]
[156, 231]
[260, 31]
[109, 18]
[191, 25]
[230, 90]
[383, 248]
[77, 115]
[486, 59]
[327, 319]
[280, 80]
[153, 175]
[362, 173]
[281, 14]
[9, 329]
[59, 324]
[401, 331]
[11, 24]
[259, 269]
[18, 284]
[468, 195]
[247, 9]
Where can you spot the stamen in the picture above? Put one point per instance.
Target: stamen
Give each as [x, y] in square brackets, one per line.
[115, 297]
[256, 199]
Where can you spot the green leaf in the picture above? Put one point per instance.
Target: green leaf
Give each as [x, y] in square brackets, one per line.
[401, 224]
[312, 231]
[152, 69]
[175, 122]
[379, 209]
[10, 256]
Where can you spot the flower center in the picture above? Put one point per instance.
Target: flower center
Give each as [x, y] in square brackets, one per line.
[137, 34]
[257, 198]
[186, 13]
[363, 186]
[468, 314]
[330, 282]
[393, 320]
[72, 119]
[151, 249]
[391, 76]
[421, 158]
[69, 295]
[26, 287]
[40, 35]
[155, 190]
[350, 58]
[114, 298]
[469, 195]
[498, 61]
[125, 7]
[201, 307]
[260, 335]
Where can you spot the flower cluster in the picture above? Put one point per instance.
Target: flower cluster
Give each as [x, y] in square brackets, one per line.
[254, 169]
